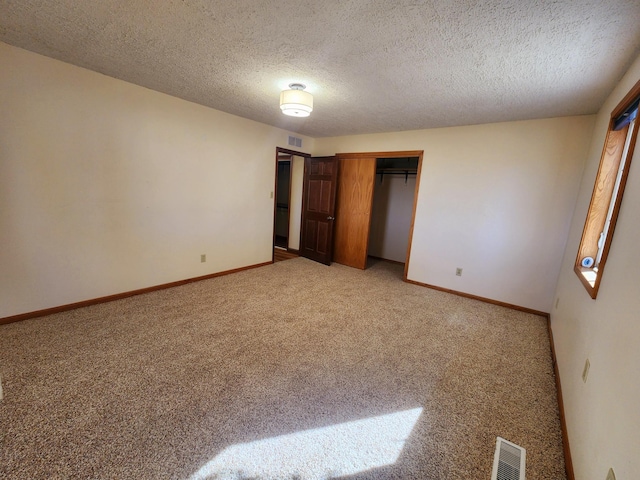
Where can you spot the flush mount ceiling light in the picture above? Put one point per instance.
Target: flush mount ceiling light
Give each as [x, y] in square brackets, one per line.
[296, 102]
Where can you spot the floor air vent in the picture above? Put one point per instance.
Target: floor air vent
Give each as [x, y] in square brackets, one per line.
[508, 462]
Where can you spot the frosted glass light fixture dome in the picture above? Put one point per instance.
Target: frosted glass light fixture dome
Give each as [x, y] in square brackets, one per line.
[296, 102]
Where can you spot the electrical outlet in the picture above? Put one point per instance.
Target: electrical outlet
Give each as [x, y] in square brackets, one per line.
[611, 475]
[203, 258]
[459, 272]
[585, 372]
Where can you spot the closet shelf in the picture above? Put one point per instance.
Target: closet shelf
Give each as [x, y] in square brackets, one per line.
[396, 171]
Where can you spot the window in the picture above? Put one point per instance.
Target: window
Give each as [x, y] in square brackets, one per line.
[607, 192]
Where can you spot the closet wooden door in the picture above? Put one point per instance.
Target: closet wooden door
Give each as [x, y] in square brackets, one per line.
[353, 211]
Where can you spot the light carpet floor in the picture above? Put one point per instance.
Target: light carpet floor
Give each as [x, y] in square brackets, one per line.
[290, 371]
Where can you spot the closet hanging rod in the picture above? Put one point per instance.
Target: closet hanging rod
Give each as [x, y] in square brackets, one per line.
[396, 171]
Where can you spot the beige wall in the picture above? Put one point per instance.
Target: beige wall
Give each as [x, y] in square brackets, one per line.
[603, 415]
[107, 187]
[495, 200]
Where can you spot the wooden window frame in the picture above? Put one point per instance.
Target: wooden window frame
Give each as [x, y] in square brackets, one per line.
[612, 155]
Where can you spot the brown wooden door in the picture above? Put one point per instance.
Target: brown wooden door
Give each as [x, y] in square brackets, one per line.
[318, 208]
[353, 212]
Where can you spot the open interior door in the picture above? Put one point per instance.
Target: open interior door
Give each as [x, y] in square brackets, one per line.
[318, 208]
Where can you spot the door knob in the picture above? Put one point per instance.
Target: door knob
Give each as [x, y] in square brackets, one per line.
[331, 218]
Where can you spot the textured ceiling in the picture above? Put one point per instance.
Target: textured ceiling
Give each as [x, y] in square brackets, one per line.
[372, 66]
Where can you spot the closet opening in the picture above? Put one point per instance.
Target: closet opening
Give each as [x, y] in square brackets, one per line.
[376, 207]
[392, 208]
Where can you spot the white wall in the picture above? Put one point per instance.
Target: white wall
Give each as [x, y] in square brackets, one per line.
[495, 200]
[107, 187]
[391, 217]
[603, 415]
[295, 207]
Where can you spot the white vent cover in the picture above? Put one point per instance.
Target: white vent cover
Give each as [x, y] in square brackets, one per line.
[295, 141]
[508, 462]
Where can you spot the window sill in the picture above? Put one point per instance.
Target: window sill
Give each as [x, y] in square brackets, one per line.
[589, 278]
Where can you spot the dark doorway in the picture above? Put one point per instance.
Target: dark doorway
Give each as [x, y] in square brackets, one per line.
[283, 203]
[287, 202]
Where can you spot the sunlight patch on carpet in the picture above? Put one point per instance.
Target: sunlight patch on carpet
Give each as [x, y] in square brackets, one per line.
[318, 454]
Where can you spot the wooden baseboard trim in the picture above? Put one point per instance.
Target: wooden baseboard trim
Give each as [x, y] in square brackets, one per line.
[293, 250]
[482, 299]
[563, 424]
[118, 296]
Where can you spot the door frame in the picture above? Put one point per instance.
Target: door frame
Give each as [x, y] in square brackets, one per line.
[275, 193]
[397, 154]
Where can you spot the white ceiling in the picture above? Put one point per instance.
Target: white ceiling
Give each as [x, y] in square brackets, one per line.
[372, 66]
